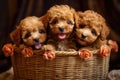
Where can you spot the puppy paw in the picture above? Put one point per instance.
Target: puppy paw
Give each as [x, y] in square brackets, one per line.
[49, 55]
[27, 52]
[8, 50]
[114, 45]
[48, 47]
[85, 54]
[104, 51]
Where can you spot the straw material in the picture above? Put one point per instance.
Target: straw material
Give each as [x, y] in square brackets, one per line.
[66, 66]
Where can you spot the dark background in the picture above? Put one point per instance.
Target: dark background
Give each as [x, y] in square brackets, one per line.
[12, 11]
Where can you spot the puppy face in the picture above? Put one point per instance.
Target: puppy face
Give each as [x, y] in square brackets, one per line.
[61, 28]
[87, 34]
[32, 31]
[89, 27]
[61, 21]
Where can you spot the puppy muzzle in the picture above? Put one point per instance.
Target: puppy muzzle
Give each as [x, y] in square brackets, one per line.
[61, 29]
[36, 40]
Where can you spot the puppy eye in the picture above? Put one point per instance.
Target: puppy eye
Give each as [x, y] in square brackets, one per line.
[41, 31]
[54, 22]
[82, 26]
[27, 35]
[93, 32]
[68, 22]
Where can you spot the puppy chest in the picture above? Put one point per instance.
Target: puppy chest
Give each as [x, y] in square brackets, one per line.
[62, 45]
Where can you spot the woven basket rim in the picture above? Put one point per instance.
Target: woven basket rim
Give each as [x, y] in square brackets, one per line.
[65, 53]
[59, 53]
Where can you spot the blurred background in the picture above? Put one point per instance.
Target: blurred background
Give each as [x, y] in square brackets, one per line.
[12, 11]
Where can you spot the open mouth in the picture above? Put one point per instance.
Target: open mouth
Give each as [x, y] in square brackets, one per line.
[61, 35]
[37, 46]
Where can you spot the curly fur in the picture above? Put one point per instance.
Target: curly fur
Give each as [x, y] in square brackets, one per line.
[30, 34]
[91, 34]
[30, 31]
[91, 29]
[60, 27]
[61, 12]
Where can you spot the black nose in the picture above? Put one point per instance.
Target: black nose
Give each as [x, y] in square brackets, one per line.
[36, 39]
[84, 36]
[61, 29]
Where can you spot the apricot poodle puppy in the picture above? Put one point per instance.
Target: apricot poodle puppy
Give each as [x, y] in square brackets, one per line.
[60, 29]
[29, 34]
[91, 33]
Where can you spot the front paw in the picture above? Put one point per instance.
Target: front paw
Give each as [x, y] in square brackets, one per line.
[85, 54]
[114, 45]
[104, 51]
[8, 50]
[49, 55]
[27, 52]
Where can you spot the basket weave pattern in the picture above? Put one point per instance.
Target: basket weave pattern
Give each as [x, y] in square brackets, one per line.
[67, 67]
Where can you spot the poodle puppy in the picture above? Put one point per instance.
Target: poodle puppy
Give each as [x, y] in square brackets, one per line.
[91, 32]
[29, 34]
[60, 30]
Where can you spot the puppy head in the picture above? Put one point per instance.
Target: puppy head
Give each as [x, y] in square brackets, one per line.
[31, 31]
[61, 21]
[90, 26]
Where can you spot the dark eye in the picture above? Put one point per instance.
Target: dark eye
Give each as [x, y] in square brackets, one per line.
[82, 26]
[93, 32]
[27, 35]
[68, 22]
[54, 22]
[41, 31]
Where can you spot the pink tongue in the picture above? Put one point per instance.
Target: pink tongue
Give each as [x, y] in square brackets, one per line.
[61, 36]
[37, 46]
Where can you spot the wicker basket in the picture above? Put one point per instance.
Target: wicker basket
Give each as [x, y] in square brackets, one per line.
[63, 67]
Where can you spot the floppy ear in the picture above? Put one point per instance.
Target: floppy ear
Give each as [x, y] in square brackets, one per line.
[104, 31]
[45, 20]
[104, 28]
[16, 36]
[78, 16]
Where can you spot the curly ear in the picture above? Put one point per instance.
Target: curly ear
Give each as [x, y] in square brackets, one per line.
[45, 20]
[16, 36]
[78, 16]
[104, 27]
[104, 31]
